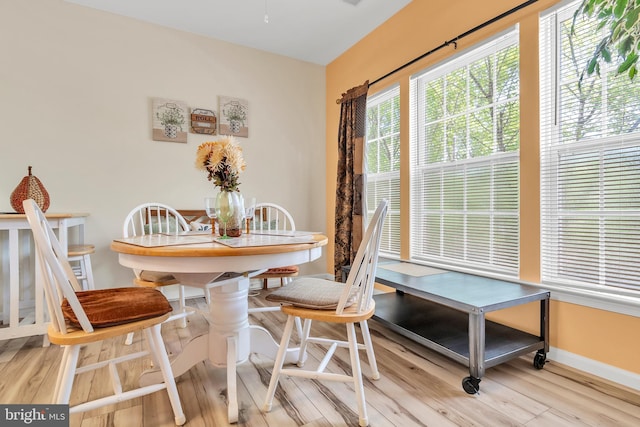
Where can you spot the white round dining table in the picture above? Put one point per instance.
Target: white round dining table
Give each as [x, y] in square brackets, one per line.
[223, 272]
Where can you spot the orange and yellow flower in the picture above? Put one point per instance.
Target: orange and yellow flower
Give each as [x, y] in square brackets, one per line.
[223, 162]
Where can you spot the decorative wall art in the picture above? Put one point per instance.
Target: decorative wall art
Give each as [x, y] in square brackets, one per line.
[234, 116]
[203, 121]
[170, 120]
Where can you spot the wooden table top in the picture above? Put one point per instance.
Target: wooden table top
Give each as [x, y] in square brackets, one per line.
[214, 249]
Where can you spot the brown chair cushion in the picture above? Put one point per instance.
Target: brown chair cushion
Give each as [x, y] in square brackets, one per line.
[276, 271]
[310, 292]
[110, 307]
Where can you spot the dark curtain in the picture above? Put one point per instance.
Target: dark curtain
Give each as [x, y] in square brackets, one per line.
[350, 179]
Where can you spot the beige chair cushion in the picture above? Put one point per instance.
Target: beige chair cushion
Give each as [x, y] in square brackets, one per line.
[309, 292]
[117, 306]
[156, 276]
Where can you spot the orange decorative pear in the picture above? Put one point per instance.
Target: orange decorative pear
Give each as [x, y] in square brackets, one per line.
[30, 188]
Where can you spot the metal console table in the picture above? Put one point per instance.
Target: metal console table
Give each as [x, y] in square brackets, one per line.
[446, 311]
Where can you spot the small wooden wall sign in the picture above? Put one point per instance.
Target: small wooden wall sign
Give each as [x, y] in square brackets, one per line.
[203, 121]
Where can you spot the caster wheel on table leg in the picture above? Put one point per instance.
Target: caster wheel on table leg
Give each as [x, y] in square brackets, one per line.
[539, 360]
[471, 385]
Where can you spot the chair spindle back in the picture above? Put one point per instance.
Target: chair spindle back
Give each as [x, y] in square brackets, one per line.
[271, 217]
[361, 277]
[153, 218]
[57, 275]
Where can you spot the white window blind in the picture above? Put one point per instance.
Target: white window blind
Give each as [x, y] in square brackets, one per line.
[465, 144]
[382, 164]
[590, 162]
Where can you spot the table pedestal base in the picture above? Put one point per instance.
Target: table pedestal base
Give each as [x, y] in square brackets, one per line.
[229, 342]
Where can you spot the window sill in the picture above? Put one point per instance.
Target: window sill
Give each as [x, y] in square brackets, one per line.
[622, 304]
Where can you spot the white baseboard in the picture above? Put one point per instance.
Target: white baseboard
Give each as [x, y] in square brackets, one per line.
[593, 367]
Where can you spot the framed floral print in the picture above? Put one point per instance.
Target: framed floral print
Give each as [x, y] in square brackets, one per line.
[234, 116]
[170, 120]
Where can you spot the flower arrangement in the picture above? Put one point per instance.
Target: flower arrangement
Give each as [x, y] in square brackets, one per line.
[223, 162]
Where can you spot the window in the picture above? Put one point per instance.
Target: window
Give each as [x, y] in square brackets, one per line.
[590, 162]
[465, 144]
[382, 164]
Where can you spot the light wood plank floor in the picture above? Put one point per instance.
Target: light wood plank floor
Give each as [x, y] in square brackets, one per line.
[418, 388]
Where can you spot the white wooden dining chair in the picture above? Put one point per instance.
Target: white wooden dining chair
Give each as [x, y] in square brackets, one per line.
[82, 317]
[153, 218]
[333, 302]
[270, 217]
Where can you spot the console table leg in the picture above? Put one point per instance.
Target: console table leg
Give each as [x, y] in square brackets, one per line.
[544, 323]
[476, 344]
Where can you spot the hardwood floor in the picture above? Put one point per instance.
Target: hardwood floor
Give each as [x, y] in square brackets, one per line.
[417, 388]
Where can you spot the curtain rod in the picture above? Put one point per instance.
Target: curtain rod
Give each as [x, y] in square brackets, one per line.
[454, 41]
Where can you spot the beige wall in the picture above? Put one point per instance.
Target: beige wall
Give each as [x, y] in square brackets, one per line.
[603, 337]
[75, 99]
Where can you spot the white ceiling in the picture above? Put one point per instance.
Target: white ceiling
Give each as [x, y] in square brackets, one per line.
[316, 31]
